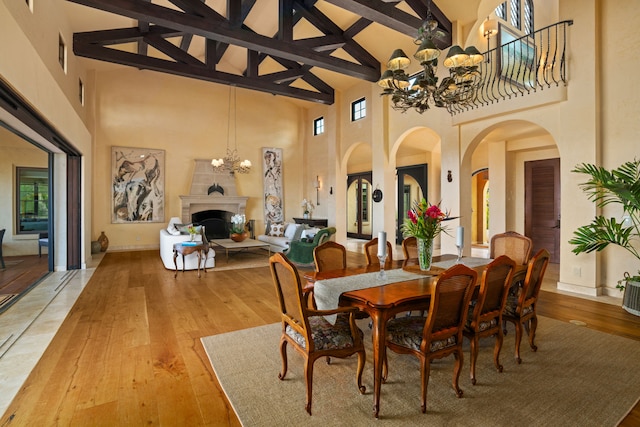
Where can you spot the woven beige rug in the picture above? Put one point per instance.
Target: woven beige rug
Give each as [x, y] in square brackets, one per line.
[578, 377]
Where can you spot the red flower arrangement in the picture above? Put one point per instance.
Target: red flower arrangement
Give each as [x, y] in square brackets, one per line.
[425, 221]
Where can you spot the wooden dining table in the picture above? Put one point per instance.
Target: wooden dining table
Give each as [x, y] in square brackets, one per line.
[384, 302]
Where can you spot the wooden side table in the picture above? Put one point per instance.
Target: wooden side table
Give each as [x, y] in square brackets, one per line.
[201, 249]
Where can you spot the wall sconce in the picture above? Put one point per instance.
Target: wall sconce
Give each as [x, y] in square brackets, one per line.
[489, 29]
[317, 185]
[449, 176]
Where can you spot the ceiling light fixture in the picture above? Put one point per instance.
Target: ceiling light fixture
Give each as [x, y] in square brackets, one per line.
[420, 90]
[231, 163]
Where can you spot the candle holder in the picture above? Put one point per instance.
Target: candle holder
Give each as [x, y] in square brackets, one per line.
[382, 275]
[460, 248]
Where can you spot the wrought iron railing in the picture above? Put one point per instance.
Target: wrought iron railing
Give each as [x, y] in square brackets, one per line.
[521, 66]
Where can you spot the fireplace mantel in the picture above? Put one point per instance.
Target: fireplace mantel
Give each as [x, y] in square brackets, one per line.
[194, 204]
[198, 200]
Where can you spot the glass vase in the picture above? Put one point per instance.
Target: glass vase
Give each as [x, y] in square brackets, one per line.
[425, 253]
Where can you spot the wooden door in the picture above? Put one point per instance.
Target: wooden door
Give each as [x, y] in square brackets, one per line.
[542, 206]
[359, 192]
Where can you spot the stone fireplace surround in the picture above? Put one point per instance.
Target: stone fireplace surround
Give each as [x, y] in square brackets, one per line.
[199, 201]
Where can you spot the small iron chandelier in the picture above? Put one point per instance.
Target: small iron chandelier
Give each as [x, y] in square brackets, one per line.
[231, 163]
[420, 90]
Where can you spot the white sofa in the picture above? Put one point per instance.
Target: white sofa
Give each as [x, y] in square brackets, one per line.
[292, 232]
[190, 261]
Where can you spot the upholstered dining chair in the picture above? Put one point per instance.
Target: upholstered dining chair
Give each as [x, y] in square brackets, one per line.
[512, 244]
[43, 241]
[1, 238]
[520, 308]
[485, 313]
[440, 333]
[371, 253]
[307, 330]
[410, 247]
[330, 256]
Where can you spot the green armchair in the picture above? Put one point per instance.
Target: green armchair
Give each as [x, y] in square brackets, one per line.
[301, 251]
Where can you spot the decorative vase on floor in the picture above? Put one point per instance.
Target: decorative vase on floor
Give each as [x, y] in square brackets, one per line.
[425, 253]
[104, 242]
[631, 299]
[239, 237]
[95, 247]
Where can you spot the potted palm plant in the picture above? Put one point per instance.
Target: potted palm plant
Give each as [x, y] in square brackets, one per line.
[617, 186]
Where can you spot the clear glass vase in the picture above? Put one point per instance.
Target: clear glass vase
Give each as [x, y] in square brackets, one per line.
[425, 253]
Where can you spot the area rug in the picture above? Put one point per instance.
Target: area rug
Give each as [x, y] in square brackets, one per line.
[577, 377]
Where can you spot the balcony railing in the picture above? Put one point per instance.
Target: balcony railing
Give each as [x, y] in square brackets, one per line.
[521, 66]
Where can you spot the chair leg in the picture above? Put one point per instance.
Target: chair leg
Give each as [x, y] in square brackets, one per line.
[532, 332]
[456, 372]
[39, 251]
[362, 358]
[496, 350]
[518, 339]
[308, 378]
[425, 371]
[473, 347]
[283, 355]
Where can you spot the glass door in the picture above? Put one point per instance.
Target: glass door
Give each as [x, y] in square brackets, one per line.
[359, 205]
[412, 186]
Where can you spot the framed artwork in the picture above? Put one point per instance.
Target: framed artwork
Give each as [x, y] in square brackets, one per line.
[272, 184]
[137, 185]
[516, 58]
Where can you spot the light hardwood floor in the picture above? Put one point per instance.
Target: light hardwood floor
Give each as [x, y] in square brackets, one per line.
[129, 353]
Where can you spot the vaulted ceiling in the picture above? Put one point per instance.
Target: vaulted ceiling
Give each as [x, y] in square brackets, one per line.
[293, 48]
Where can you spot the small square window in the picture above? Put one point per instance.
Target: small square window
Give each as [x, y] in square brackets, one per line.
[62, 53]
[501, 10]
[81, 91]
[358, 109]
[318, 126]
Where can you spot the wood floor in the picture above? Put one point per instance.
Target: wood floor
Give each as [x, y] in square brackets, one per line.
[129, 352]
[20, 274]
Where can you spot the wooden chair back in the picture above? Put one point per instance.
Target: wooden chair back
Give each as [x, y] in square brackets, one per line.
[449, 305]
[533, 280]
[494, 288]
[371, 253]
[289, 292]
[512, 244]
[410, 247]
[330, 256]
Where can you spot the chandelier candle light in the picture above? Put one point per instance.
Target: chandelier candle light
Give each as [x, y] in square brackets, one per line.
[420, 90]
[231, 163]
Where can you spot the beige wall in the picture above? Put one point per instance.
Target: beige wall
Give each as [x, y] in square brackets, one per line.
[188, 119]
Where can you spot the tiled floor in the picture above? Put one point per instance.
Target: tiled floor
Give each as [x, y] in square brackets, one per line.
[28, 326]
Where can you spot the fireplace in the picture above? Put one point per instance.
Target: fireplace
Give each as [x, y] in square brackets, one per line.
[209, 193]
[215, 222]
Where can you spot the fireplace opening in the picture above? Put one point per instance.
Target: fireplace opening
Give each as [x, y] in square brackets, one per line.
[216, 223]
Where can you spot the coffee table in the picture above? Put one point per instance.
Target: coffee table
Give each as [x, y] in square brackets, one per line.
[245, 245]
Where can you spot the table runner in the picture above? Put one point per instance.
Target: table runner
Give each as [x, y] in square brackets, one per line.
[327, 292]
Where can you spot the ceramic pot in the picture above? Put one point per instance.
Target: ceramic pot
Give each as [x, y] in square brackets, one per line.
[104, 242]
[239, 237]
[631, 299]
[95, 247]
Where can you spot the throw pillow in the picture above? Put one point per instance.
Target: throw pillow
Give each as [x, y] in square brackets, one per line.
[290, 230]
[276, 230]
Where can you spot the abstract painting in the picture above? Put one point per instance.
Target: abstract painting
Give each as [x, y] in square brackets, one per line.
[272, 179]
[137, 185]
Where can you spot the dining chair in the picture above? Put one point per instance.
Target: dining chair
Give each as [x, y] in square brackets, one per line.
[485, 313]
[307, 330]
[512, 244]
[371, 253]
[330, 256]
[439, 334]
[520, 308]
[410, 247]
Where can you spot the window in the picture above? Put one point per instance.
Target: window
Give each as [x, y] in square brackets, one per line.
[501, 10]
[33, 200]
[515, 13]
[318, 126]
[358, 109]
[528, 17]
[62, 53]
[81, 91]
